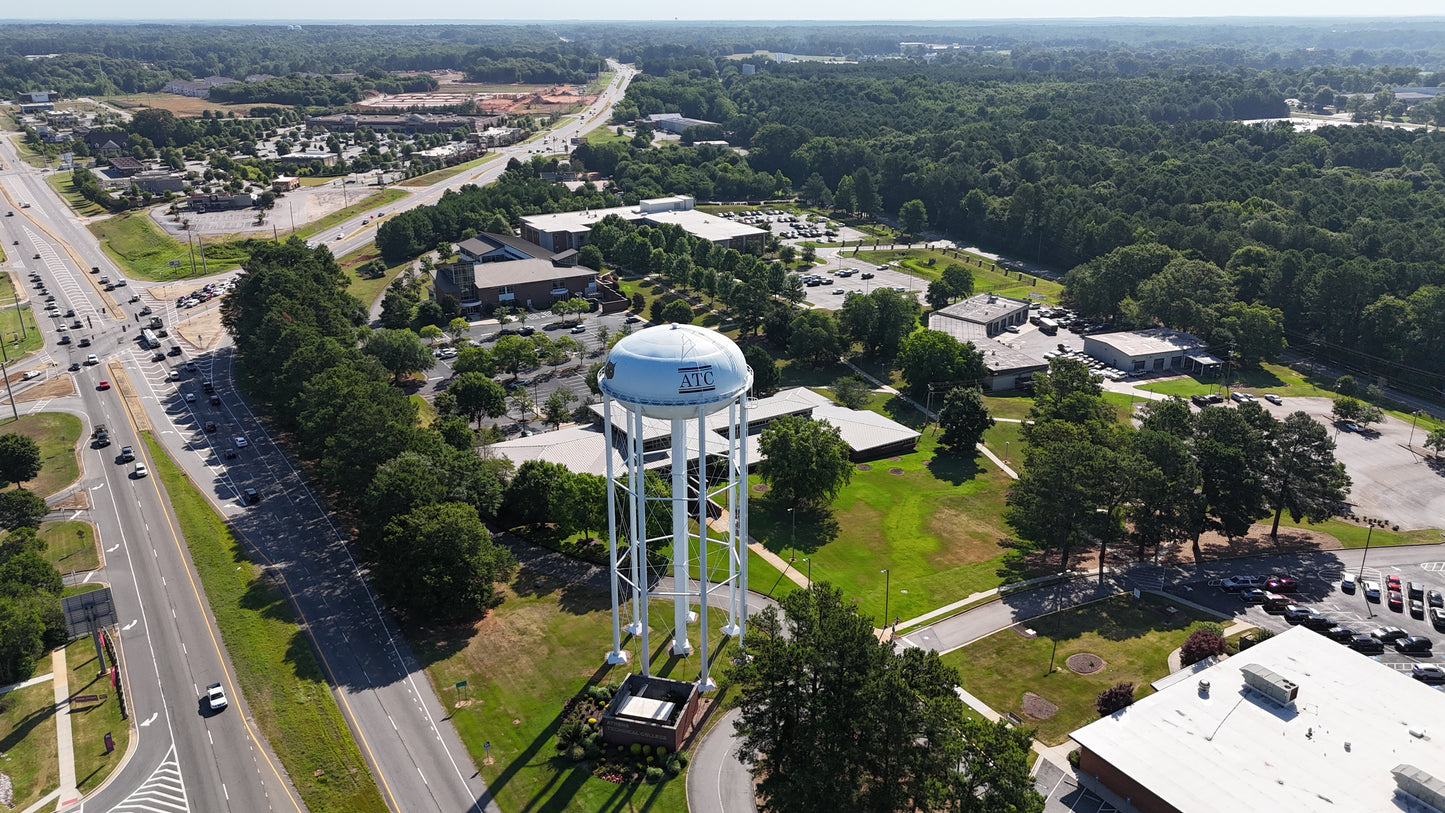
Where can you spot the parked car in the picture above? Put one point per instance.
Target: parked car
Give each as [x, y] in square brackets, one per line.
[1388, 633]
[1283, 584]
[1235, 583]
[1414, 643]
[210, 427]
[1273, 399]
[1254, 595]
[1435, 599]
[1274, 602]
[1396, 601]
[1297, 613]
[1367, 644]
[1437, 617]
[1417, 608]
[1428, 673]
[1414, 590]
[1347, 582]
[1343, 635]
[251, 497]
[240, 442]
[216, 697]
[1372, 590]
[1392, 582]
[1318, 623]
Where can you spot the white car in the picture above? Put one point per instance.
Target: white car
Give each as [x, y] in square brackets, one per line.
[92, 359]
[240, 442]
[1372, 589]
[141, 470]
[1347, 582]
[216, 697]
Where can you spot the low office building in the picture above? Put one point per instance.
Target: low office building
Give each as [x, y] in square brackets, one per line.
[326, 159]
[1296, 723]
[285, 183]
[869, 435]
[1153, 350]
[1008, 368]
[219, 203]
[675, 122]
[979, 317]
[572, 230]
[534, 284]
[37, 97]
[402, 122]
[488, 247]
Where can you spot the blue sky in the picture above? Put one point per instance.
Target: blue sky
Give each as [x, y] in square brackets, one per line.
[832, 10]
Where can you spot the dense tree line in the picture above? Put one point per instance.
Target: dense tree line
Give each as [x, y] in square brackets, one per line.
[1090, 482]
[102, 60]
[31, 621]
[420, 496]
[311, 90]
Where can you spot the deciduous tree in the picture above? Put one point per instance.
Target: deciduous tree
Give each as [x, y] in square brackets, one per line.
[19, 458]
[964, 418]
[1303, 476]
[399, 351]
[439, 563]
[805, 462]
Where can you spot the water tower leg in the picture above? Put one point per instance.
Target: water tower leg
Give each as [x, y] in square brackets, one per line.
[680, 646]
[618, 655]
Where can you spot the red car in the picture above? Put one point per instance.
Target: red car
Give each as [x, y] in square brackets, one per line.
[1392, 582]
[1397, 602]
[1282, 584]
[103, 385]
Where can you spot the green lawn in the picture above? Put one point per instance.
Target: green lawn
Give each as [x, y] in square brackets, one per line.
[61, 182]
[17, 346]
[371, 201]
[449, 172]
[57, 433]
[136, 243]
[1133, 637]
[1275, 378]
[91, 721]
[70, 545]
[936, 528]
[426, 414]
[544, 644]
[283, 684]
[368, 289]
[987, 276]
[27, 739]
[1353, 536]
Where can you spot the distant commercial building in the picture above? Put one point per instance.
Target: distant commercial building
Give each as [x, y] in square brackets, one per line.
[564, 230]
[675, 122]
[327, 159]
[199, 89]
[402, 122]
[499, 136]
[285, 183]
[37, 97]
[159, 183]
[1295, 723]
[1153, 350]
[979, 317]
[219, 203]
[529, 282]
[126, 165]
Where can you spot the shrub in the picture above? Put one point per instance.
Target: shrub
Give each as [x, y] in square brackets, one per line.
[576, 753]
[647, 749]
[654, 775]
[673, 767]
[592, 751]
[682, 757]
[1199, 645]
[1074, 757]
[1118, 696]
[635, 748]
[638, 302]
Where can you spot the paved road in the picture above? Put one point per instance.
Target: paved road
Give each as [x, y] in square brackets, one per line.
[169, 644]
[185, 761]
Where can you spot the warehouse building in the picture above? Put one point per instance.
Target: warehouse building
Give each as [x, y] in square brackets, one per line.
[1152, 351]
[979, 317]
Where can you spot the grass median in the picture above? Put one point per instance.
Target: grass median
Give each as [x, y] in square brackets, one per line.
[282, 682]
[91, 720]
[57, 434]
[449, 172]
[339, 216]
[145, 251]
[11, 319]
[70, 545]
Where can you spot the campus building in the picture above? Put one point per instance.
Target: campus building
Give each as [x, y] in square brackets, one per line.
[1153, 350]
[1295, 723]
[571, 230]
[979, 317]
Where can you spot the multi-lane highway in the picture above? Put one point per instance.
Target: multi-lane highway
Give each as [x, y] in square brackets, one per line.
[184, 758]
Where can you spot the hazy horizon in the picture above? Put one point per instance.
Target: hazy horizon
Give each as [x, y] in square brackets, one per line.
[362, 12]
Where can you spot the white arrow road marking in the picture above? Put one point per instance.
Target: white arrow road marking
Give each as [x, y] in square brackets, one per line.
[74, 515]
[97, 488]
[127, 627]
[113, 548]
[150, 719]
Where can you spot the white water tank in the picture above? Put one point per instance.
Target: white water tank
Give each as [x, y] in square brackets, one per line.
[669, 371]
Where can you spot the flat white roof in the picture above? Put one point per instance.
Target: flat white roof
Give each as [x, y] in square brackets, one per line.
[699, 224]
[1236, 750]
[702, 225]
[581, 450]
[1149, 342]
[642, 708]
[981, 308]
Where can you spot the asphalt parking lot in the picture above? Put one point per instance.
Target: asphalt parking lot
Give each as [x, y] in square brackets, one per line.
[823, 296]
[1320, 590]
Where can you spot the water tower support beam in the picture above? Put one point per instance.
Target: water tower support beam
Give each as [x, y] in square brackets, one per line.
[618, 655]
[680, 568]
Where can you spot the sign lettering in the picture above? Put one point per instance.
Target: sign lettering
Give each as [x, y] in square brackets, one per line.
[695, 378]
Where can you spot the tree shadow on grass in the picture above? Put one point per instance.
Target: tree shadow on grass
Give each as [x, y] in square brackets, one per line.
[899, 409]
[305, 664]
[782, 533]
[953, 468]
[264, 596]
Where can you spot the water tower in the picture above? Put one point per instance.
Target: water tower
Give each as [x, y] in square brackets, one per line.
[694, 383]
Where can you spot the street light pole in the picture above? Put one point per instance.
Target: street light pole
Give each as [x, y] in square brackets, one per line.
[1414, 419]
[887, 591]
[809, 560]
[1360, 577]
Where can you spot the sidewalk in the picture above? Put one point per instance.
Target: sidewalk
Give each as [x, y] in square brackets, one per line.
[64, 743]
[25, 684]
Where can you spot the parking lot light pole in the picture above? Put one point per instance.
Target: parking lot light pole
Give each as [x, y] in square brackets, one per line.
[1360, 577]
[887, 590]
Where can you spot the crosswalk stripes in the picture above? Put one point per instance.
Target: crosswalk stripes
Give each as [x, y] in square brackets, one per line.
[162, 791]
[1432, 567]
[39, 406]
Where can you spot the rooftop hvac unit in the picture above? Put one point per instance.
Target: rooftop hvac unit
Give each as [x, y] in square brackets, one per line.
[1277, 688]
[1421, 785]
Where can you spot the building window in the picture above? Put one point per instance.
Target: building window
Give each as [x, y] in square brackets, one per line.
[506, 289]
[1158, 364]
[1138, 364]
